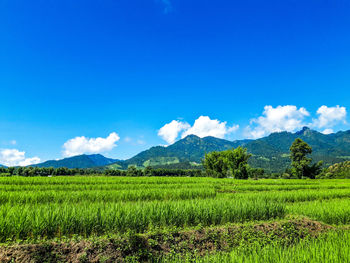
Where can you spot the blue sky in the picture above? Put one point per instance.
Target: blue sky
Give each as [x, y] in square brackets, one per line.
[94, 68]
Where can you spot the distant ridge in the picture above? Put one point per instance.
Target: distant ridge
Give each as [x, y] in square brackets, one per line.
[79, 161]
[270, 153]
[190, 149]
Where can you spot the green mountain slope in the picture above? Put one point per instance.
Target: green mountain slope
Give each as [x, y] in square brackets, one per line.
[270, 153]
[79, 161]
[189, 150]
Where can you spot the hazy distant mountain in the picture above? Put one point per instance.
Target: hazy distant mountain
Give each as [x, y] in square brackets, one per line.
[270, 153]
[2, 165]
[79, 161]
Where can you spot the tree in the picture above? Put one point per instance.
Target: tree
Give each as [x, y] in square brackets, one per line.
[256, 173]
[299, 152]
[237, 162]
[230, 162]
[148, 171]
[215, 164]
[133, 171]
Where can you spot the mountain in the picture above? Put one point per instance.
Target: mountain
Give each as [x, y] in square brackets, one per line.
[2, 165]
[79, 161]
[188, 150]
[270, 153]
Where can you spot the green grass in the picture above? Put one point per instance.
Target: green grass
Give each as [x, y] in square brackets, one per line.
[87, 218]
[333, 247]
[335, 211]
[40, 208]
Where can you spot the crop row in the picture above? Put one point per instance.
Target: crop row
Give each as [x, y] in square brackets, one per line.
[96, 180]
[50, 220]
[333, 247]
[108, 183]
[335, 211]
[52, 196]
[59, 196]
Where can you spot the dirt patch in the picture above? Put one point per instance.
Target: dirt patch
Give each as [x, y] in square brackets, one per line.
[150, 247]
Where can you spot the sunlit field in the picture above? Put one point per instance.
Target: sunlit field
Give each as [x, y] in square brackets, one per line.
[37, 210]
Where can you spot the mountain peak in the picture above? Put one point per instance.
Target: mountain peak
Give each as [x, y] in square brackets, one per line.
[191, 136]
[305, 130]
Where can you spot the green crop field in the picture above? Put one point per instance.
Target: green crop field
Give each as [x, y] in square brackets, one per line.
[117, 219]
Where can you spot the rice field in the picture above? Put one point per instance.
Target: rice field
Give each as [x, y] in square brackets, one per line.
[35, 209]
[333, 247]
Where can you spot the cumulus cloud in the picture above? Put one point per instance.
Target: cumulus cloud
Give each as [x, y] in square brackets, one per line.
[202, 127]
[14, 157]
[327, 131]
[82, 145]
[282, 118]
[170, 131]
[329, 116]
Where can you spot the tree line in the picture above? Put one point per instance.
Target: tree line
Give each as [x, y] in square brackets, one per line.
[230, 163]
[46, 171]
[63, 171]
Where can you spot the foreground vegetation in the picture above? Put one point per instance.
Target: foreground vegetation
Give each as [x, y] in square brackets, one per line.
[332, 247]
[161, 218]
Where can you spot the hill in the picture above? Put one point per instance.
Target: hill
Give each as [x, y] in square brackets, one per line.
[79, 161]
[189, 150]
[270, 153]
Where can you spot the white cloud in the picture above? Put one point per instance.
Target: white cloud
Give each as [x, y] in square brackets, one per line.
[202, 127]
[14, 157]
[329, 116]
[13, 142]
[282, 118]
[170, 131]
[327, 131]
[29, 161]
[81, 145]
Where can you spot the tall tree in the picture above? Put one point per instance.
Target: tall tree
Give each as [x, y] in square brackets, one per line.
[299, 152]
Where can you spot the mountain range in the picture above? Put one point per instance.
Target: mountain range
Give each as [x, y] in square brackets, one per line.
[79, 161]
[270, 153]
